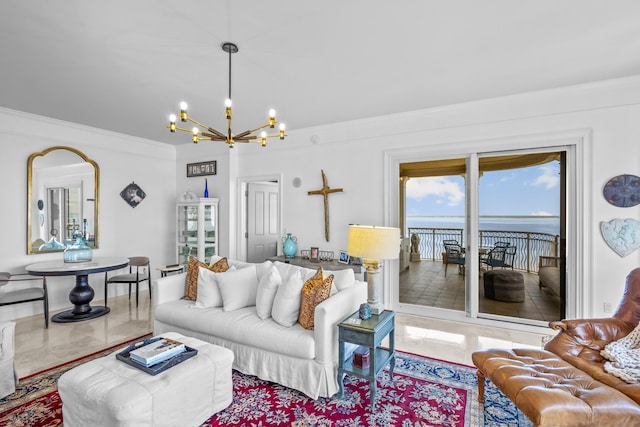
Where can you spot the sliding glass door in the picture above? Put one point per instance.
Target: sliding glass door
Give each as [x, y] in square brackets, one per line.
[515, 207]
[519, 230]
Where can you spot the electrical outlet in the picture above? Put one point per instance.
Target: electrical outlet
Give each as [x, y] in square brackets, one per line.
[607, 307]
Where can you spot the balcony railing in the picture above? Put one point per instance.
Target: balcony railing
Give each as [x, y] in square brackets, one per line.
[530, 245]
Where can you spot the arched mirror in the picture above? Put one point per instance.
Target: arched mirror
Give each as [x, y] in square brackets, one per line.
[63, 186]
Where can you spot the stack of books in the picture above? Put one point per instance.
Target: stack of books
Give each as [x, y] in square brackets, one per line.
[156, 352]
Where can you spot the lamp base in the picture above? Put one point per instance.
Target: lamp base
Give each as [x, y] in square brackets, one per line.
[376, 308]
[374, 285]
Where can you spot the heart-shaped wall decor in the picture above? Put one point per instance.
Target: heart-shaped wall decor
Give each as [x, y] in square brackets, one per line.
[622, 235]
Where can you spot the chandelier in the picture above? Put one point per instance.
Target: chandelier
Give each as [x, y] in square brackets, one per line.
[210, 134]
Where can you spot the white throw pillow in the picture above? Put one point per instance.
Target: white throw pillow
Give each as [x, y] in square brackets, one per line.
[208, 291]
[267, 289]
[238, 288]
[286, 304]
[342, 279]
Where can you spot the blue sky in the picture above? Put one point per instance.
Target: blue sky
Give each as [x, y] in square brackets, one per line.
[527, 191]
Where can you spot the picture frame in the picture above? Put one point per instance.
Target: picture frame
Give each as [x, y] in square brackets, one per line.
[344, 257]
[133, 194]
[202, 168]
[314, 254]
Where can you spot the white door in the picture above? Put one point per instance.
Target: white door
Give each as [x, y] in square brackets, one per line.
[262, 221]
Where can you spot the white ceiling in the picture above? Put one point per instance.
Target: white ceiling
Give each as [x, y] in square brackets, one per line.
[125, 65]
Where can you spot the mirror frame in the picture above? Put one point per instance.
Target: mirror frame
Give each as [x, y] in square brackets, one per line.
[96, 182]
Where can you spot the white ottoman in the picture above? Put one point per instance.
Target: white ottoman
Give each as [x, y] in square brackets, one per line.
[108, 392]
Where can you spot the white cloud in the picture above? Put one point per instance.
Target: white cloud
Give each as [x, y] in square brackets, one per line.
[549, 177]
[541, 213]
[442, 187]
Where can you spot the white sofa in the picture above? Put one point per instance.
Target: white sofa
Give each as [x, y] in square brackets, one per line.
[298, 358]
[7, 352]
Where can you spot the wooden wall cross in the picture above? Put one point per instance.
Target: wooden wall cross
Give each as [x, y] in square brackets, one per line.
[325, 191]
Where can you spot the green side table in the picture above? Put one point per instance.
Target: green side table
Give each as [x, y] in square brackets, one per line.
[368, 333]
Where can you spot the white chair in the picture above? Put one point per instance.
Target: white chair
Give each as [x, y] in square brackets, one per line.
[8, 377]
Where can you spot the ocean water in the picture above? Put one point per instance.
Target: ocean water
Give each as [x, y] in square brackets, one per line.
[535, 224]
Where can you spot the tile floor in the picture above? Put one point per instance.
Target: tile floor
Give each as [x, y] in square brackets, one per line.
[424, 283]
[38, 348]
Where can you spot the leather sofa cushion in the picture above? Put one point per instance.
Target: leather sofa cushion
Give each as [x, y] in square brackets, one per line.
[552, 392]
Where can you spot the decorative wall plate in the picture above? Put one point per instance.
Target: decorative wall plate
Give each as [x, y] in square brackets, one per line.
[622, 191]
[622, 235]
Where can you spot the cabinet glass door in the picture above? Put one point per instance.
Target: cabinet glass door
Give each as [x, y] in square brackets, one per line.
[187, 232]
[209, 232]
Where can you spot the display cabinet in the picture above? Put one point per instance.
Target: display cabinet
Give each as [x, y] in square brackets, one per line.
[197, 230]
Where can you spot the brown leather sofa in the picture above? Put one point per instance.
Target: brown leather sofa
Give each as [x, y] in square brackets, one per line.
[565, 384]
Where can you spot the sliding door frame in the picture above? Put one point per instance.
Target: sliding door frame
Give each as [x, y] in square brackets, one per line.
[578, 146]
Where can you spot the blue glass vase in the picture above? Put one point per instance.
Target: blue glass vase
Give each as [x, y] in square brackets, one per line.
[289, 245]
[78, 251]
[206, 188]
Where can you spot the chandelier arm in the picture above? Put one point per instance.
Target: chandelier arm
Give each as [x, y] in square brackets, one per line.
[248, 132]
[214, 137]
[181, 129]
[274, 135]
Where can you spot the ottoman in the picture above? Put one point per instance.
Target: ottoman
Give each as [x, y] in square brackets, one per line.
[550, 391]
[108, 392]
[504, 285]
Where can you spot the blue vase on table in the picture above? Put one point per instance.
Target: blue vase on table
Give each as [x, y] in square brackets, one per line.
[289, 245]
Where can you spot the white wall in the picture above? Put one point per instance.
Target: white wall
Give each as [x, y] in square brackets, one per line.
[352, 154]
[124, 231]
[353, 157]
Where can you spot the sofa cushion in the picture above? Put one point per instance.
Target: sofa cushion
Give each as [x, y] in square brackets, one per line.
[314, 291]
[239, 326]
[191, 281]
[238, 288]
[286, 304]
[267, 289]
[208, 290]
[286, 270]
[342, 279]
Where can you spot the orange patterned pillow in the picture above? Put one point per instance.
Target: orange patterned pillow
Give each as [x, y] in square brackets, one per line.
[191, 281]
[314, 291]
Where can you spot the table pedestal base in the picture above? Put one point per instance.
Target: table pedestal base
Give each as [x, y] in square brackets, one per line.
[81, 295]
[69, 316]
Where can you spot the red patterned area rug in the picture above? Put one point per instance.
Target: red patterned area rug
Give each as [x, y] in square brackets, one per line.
[36, 401]
[423, 392]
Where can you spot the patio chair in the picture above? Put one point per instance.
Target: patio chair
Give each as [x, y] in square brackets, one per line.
[500, 256]
[454, 256]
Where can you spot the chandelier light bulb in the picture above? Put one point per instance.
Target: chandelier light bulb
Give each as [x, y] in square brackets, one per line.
[263, 138]
[183, 111]
[227, 103]
[281, 131]
[172, 123]
[194, 138]
[272, 118]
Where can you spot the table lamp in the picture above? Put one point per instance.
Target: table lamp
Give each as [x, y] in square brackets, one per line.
[373, 244]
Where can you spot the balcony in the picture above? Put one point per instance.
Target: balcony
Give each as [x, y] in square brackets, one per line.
[424, 282]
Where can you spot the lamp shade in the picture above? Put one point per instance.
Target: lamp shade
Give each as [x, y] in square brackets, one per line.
[371, 242]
